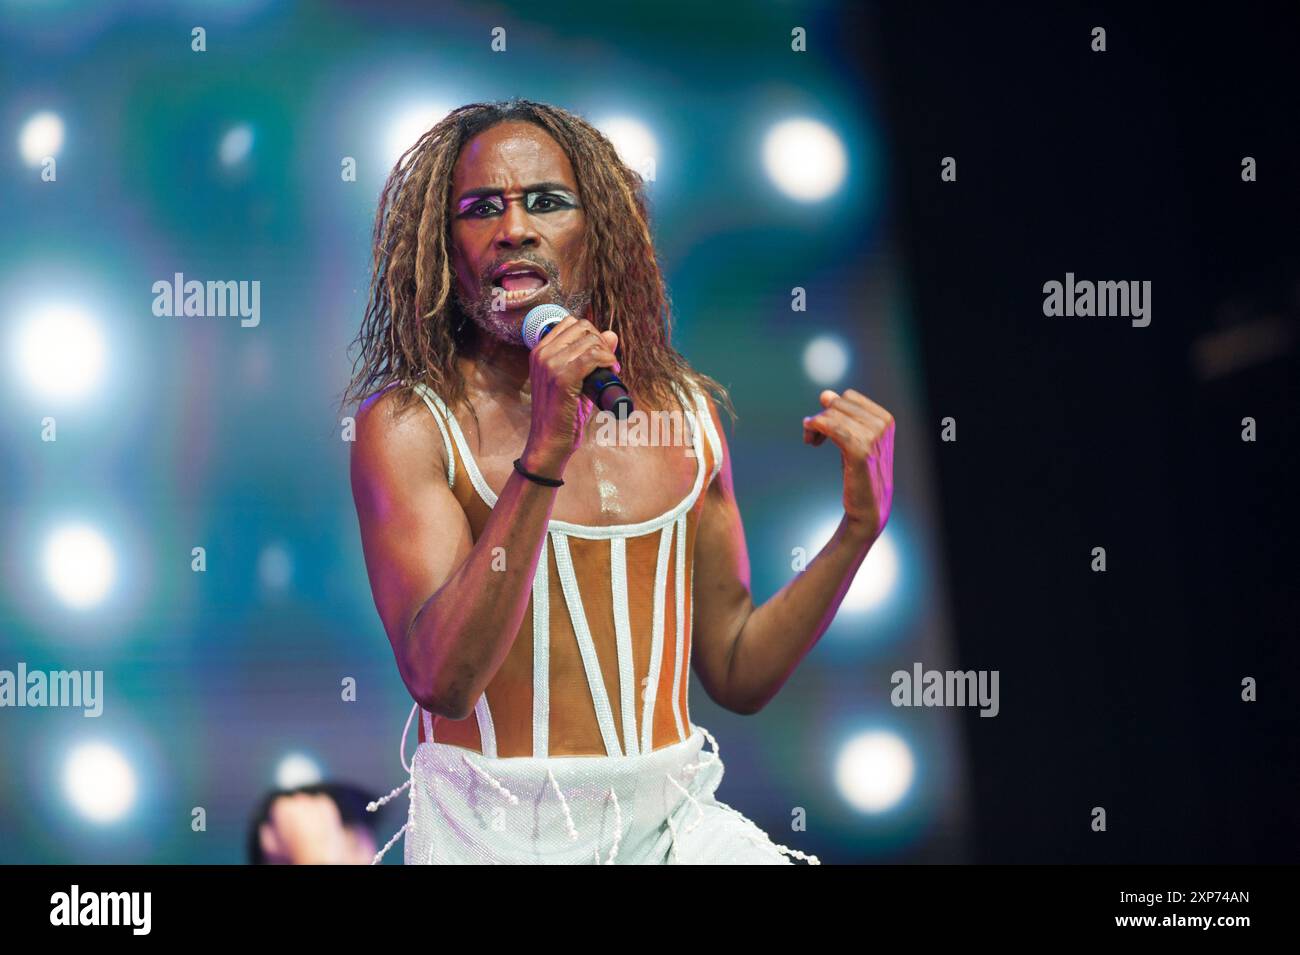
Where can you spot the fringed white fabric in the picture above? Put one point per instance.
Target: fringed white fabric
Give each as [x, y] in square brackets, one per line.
[409, 784]
[564, 804]
[618, 829]
[654, 808]
[713, 743]
[491, 780]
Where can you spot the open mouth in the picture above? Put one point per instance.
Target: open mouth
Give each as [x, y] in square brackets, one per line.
[518, 285]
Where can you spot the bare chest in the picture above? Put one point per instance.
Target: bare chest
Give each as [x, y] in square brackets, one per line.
[613, 478]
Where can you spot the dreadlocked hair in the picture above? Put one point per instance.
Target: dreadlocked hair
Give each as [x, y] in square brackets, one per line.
[414, 329]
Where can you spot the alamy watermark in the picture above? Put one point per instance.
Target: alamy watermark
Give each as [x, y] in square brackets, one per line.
[71, 688]
[130, 909]
[179, 298]
[642, 428]
[1086, 298]
[922, 687]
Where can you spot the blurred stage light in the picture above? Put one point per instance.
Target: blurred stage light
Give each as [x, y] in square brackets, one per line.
[60, 352]
[876, 578]
[79, 565]
[99, 782]
[805, 159]
[874, 771]
[274, 567]
[826, 359]
[297, 770]
[634, 142]
[41, 136]
[236, 145]
[408, 125]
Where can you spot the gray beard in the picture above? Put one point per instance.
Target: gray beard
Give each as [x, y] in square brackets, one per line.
[502, 326]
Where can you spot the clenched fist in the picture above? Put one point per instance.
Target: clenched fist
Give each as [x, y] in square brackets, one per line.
[557, 368]
[864, 433]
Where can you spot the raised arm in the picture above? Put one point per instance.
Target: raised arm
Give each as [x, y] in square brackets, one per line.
[744, 654]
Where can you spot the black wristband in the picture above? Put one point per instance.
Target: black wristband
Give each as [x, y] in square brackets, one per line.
[537, 478]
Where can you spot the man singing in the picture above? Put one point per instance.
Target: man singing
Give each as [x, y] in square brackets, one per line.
[543, 590]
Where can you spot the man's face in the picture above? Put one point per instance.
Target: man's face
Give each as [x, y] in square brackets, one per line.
[515, 200]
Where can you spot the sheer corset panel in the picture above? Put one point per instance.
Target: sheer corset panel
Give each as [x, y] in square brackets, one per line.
[601, 662]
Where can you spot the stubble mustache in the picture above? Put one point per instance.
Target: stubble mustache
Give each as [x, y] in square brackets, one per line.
[497, 322]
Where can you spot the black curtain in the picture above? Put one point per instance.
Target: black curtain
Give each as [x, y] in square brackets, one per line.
[1121, 689]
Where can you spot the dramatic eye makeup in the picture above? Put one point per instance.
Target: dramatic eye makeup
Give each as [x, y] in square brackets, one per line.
[480, 207]
[550, 200]
[547, 197]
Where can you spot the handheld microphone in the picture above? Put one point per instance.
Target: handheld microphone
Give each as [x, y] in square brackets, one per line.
[602, 386]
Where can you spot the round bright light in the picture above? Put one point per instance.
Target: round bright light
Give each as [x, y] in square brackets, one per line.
[60, 352]
[633, 141]
[408, 126]
[79, 565]
[825, 359]
[274, 567]
[297, 770]
[40, 137]
[876, 577]
[874, 771]
[236, 145]
[99, 782]
[805, 159]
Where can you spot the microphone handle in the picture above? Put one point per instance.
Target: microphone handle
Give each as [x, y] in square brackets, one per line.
[605, 390]
[602, 386]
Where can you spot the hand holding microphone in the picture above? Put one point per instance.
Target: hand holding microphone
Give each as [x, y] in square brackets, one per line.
[573, 371]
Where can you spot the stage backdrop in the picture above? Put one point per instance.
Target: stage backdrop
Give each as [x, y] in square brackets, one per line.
[178, 516]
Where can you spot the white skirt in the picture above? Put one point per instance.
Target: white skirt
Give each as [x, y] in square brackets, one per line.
[654, 808]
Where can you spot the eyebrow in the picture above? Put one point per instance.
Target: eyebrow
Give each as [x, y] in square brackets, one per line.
[498, 190]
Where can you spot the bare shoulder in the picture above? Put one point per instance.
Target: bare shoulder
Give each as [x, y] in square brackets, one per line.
[723, 482]
[715, 416]
[396, 440]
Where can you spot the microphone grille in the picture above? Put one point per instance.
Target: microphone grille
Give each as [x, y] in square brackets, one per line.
[537, 319]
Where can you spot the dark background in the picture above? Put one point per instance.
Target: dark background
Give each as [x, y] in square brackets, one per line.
[1120, 690]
